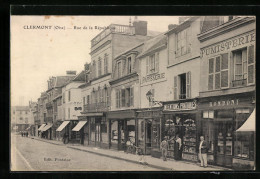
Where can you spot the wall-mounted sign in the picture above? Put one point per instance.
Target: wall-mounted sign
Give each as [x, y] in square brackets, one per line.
[228, 44]
[149, 114]
[153, 77]
[181, 106]
[231, 102]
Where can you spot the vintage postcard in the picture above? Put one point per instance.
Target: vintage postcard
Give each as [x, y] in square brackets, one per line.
[132, 93]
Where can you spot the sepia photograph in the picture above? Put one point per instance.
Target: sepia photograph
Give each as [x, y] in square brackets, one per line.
[132, 93]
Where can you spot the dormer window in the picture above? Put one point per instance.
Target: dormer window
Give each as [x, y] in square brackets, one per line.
[152, 64]
[129, 65]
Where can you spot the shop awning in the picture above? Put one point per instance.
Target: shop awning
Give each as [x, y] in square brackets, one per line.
[62, 126]
[48, 126]
[249, 125]
[28, 128]
[41, 127]
[79, 125]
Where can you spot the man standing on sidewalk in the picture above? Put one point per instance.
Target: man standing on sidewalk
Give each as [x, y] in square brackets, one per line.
[164, 148]
[203, 150]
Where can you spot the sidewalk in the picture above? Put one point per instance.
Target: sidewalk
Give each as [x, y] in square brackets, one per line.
[169, 165]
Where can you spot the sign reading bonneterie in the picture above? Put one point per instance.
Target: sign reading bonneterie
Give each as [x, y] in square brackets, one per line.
[153, 77]
[181, 106]
[230, 44]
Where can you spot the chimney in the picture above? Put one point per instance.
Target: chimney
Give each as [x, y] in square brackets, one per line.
[140, 27]
[183, 18]
[172, 26]
[71, 72]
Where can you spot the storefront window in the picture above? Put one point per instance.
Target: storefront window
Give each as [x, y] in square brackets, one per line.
[131, 132]
[189, 138]
[104, 130]
[114, 132]
[156, 133]
[141, 132]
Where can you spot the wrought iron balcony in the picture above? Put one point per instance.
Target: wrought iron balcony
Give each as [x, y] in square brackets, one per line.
[96, 107]
[241, 82]
[113, 28]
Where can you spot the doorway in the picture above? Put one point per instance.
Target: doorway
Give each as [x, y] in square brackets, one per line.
[145, 135]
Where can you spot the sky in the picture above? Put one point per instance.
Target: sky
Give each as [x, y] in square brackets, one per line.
[37, 54]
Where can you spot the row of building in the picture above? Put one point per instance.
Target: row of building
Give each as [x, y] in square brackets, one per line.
[198, 78]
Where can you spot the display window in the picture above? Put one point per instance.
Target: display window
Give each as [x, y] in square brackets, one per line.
[156, 137]
[141, 132]
[131, 132]
[104, 130]
[114, 132]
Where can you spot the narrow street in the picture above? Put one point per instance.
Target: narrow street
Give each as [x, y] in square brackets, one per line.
[34, 155]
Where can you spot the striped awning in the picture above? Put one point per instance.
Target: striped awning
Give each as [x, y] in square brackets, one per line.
[62, 126]
[79, 125]
[48, 126]
[41, 127]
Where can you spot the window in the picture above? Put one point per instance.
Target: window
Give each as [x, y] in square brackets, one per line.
[123, 97]
[105, 64]
[182, 86]
[21, 118]
[240, 67]
[26, 120]
[93, 73]
[99, 67]
[119, 69]
[152, 64]
[118, 98]
[26, 112]
[87, 78]
[69, 96]
[68, 113]
[108, 96]
[84, 100]
[183, 42]
[218, 72]
[129, 64]
[87, 99]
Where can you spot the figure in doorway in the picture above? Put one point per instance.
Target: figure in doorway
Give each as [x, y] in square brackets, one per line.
[203, 150]
[178, 148]
[164, 148]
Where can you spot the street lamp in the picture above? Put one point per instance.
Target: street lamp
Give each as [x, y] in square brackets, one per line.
[149, 96]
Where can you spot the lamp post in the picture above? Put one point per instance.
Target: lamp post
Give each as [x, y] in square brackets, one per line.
[149, 96]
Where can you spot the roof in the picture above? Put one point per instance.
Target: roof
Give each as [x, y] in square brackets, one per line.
[152, 33]
[135, 48]
[80, 77]
[153, 44]
[63, 80]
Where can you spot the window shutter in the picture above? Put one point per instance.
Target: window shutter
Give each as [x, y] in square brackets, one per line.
[211, 74]
[217, 73]
[157, 62]
[175, 87]
[224, 70]
[116, 99]
[108, 97]
[188, 84]
[147, 65]
[132, 96]
[250, 65]
[123, 67]
[123, 97]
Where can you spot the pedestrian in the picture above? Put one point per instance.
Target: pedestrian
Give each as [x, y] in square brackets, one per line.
[203, 150]
[178, 148]
[164, 148]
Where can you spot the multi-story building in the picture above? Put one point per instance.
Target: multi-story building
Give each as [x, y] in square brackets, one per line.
[20, 118]
[55, 85]
[104, 48]
[33, 114]
[71, 107]
[227, 89]
[40, 120]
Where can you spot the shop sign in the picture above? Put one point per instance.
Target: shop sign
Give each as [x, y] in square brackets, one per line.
[181, 106]
[231, 102]
[229, 44]
[153, 77]
[149, 114]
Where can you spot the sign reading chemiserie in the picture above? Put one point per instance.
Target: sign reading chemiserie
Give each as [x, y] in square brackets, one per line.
[153, 77]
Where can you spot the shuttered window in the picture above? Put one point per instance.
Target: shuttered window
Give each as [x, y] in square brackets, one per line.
[218, 76]
[132, 96]
[188, 84]
[224, 70]
[251, 65]
[105, 64]
[99, 67]
[157, 62]
[123, 97]
[175, 87]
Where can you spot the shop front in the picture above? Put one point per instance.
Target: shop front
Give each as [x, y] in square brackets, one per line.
[63, 130]
[180, 119]
[149, 131]
[221, 116]
[122, 129]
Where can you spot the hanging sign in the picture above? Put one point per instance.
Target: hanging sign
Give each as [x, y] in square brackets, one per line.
[181, 106]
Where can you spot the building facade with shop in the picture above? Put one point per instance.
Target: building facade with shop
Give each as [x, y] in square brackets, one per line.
[153, 82]
[20, 118]
[55, 85]
[104, 48]
[41, 113]
[124, 99]
[227, 91]
[180, 112]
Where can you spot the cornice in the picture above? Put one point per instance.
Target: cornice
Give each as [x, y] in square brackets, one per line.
[100, 47]
[224, 28]
[112, 82]
[102, 76]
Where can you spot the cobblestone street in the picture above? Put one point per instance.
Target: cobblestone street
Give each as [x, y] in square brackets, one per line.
[44, 155]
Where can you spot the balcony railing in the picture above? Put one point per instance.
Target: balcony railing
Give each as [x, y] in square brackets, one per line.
[113, 28]
[96, 107]
[241, 82]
